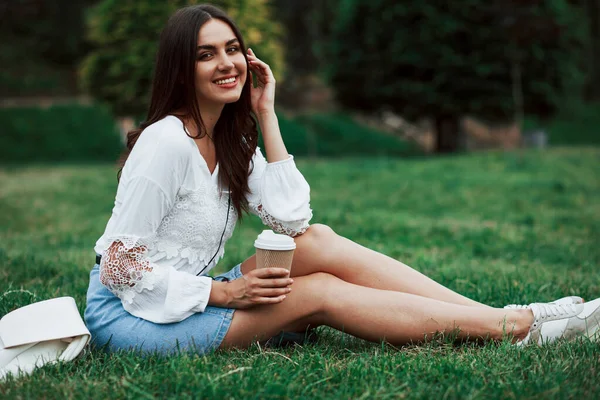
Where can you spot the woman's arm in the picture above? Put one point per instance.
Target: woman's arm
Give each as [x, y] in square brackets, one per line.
[218, 295]
[279, 194]
[259, 286]
[263, 105]
[274, 146]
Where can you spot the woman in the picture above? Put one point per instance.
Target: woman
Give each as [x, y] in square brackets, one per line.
[194, 169]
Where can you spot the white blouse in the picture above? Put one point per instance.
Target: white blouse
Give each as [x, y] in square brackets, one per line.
[169, 217]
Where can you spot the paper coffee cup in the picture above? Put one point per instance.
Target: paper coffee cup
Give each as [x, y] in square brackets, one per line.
[274, 250]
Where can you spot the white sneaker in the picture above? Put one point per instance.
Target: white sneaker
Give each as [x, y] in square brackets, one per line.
[554, 321]
[561, 301]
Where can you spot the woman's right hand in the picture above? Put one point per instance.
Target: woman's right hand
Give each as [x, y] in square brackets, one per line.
[259, 286]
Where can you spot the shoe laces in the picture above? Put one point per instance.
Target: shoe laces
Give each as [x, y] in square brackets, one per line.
[543, 311]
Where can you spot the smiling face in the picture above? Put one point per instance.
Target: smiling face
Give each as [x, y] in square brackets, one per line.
[220, 65]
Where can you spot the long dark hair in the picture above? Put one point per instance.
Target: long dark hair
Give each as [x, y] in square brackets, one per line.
[235, 134]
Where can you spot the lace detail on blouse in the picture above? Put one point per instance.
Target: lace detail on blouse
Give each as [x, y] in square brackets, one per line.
[193, 227]
[124, 268]
[191, 230]
[280, 226]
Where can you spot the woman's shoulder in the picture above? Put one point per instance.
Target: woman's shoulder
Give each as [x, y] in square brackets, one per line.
[161, 144]
[168, 133]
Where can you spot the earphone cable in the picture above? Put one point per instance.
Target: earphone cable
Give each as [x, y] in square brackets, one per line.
[222, 235]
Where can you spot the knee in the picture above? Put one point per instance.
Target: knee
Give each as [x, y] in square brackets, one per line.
[316, 240]
[320, 231]
[322, 280]
[316, 234]
[321, 287]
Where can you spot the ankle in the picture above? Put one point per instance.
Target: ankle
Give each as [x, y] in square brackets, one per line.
[523, 321]
[515, 323]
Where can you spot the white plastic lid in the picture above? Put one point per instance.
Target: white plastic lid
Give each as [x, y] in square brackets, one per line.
[269, 240]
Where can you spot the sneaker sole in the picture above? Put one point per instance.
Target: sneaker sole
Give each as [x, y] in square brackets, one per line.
[589, 328]
[594, 332]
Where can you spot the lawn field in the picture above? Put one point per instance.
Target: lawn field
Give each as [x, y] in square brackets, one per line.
[499, 227]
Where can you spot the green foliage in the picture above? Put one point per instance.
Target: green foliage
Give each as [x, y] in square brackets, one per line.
[125, 35]
[454, 58]
[572, 126]
[336, 135]
[26, 73]
[40, 42]
[63, 133]
[307, 27]
[52, 29]
[497, 227]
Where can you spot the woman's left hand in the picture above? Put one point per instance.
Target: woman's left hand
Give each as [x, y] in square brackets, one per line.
[263, 95]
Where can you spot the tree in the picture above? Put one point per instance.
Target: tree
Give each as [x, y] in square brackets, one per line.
[125, 34]
[40, 43]
[53, 28]
[593, 84]
[307, 28]
[446, 59]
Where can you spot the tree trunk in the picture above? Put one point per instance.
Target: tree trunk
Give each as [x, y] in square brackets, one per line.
[592, 8]
[517, 91]
[447, 134]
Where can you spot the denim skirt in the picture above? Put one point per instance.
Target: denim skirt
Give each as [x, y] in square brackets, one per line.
[113, 328]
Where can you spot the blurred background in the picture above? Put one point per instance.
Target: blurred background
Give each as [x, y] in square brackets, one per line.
[355, 77]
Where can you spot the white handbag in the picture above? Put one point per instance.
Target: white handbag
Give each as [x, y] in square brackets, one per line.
[40, 333]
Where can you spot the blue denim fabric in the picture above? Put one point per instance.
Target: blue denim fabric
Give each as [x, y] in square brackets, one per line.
[113, 328]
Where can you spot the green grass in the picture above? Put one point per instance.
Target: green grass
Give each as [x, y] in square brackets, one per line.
[499, 227]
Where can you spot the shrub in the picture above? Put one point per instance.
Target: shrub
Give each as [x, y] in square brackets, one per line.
[77, 133]
[337, 135]
[572, 126]
[60, 133]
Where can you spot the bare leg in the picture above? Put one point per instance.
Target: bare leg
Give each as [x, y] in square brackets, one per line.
[320, 249]
[371, 314]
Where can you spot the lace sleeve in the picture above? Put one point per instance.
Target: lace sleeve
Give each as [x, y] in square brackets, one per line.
[124, 269]
[294, 228]
[280, 195]
[159, 294]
